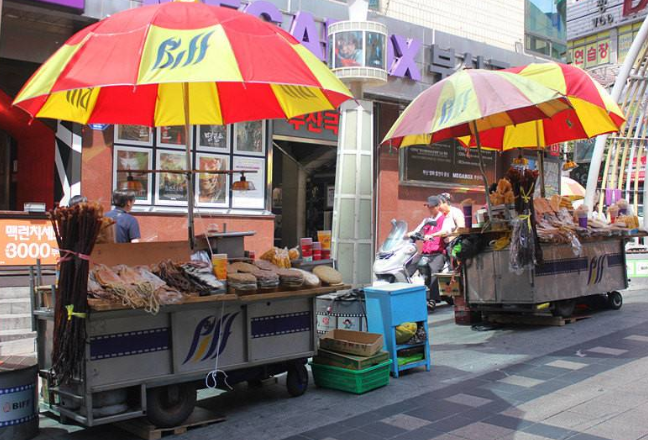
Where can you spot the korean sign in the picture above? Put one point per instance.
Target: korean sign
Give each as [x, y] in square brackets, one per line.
[445, 163]
[320, 126]
[23, 241]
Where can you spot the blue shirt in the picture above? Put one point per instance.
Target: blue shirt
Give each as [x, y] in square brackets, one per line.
[126, 226]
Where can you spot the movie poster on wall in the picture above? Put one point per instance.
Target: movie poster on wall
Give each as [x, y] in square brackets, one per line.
[254, 198]
[212, 189]
[133, 159]
[171, 187]
[213, 138]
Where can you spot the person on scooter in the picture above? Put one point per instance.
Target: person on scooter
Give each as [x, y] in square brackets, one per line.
[454, 217]
[433, 252]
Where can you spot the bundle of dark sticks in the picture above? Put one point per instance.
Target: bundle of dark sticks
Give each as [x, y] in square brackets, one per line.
[76, 229]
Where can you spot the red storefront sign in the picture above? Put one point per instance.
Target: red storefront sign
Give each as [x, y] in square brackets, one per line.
[317, 122]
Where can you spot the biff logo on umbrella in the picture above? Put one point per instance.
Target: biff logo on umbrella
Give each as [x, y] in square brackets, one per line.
[174, 52]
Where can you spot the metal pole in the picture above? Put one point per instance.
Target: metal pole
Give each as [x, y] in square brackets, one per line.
[599, 147]
[189, 176]
[481, 168]
[540, 159]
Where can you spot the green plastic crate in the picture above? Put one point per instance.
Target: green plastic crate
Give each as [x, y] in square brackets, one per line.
[352, 381]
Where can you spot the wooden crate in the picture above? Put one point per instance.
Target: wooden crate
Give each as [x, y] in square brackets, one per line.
[142, 428]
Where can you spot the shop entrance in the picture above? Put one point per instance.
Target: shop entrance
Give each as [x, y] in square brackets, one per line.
[7, 170]
[303, 182]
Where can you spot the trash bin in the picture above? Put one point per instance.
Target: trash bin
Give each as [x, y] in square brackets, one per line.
[18, 397]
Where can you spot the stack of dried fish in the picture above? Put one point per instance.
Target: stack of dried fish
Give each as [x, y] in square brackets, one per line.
[173, 275]
[134, 287]
[202, 275]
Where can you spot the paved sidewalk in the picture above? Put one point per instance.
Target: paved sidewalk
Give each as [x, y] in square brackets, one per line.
[525, 383]
[590, 391]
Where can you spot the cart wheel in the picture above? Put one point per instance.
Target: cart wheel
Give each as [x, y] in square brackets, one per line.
[431, 305]
[297, 380]
[615, 300]
[564, 308]
[170, 405]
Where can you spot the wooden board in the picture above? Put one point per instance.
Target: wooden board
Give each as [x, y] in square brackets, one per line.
[100, 305]
[135, 254]
[142, 428]
[539, 320]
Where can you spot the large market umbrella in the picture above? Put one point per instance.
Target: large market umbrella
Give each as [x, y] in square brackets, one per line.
[593, 113]
[180, 63]
[571, 188]
[470, 102]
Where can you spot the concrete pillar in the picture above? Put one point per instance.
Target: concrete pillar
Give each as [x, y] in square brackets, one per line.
[353, 230]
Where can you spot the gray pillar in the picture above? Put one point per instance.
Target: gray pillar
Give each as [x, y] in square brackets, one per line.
[352, 240]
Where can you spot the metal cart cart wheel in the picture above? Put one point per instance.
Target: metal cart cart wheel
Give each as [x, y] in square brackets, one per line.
[170, 405]
[297, 379]
[564, 308]
[615, 300]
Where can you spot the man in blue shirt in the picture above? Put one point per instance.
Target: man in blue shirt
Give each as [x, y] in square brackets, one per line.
[126, 226]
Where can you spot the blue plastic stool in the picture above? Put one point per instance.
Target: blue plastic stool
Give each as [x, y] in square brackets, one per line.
[391, 305]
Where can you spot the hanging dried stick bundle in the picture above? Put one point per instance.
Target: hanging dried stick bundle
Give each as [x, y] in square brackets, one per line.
[76, 229]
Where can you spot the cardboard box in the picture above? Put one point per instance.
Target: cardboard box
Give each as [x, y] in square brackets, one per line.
[449, 286]
[349, 361]
[352, 342]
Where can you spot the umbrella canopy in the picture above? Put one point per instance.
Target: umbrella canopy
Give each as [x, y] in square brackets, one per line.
[593, 111]
[570, 187]
[473, 97]
[135, 66]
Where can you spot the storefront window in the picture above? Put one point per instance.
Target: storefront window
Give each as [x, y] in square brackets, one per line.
[214, 147]
[545, 27]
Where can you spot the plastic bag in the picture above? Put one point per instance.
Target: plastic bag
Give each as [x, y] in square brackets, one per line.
[522, 250]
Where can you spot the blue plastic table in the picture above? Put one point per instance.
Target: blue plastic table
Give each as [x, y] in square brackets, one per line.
[388, 307]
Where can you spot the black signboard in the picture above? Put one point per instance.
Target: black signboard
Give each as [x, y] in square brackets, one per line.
[447, 164]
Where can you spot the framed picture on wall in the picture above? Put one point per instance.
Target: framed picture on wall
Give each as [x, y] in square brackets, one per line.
[171, 188]
[134, 135]
[330, 195]
[254, 198]
[212, 189]
[133, 159]
[172, 136]
[213, 138]
[249, 138]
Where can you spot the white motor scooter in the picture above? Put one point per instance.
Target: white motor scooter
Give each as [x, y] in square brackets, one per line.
[397, 260]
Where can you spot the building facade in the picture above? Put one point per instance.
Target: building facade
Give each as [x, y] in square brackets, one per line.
[295, 159]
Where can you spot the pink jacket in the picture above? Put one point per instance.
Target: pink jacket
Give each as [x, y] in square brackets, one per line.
[436, 245]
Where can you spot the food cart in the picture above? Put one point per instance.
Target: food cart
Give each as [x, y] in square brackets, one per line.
[490, 286]
[137, 363]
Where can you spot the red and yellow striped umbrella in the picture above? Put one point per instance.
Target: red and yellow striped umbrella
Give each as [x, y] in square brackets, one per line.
[473, 100]
[135, 67]
[593, 111]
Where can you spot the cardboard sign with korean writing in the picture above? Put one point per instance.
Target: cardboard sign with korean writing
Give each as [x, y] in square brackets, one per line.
[320, 126]
[23, 241]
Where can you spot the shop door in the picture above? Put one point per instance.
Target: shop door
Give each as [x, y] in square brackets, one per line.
[5, 172]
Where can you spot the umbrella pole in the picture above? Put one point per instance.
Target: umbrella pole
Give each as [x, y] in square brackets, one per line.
[540, 160]
[189, 175]
[481, 168]
[541, 171]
